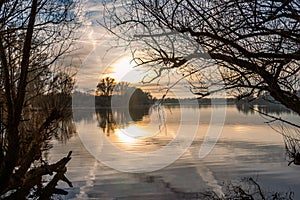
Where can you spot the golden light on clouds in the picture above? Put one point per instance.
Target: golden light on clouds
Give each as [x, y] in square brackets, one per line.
[124, 69]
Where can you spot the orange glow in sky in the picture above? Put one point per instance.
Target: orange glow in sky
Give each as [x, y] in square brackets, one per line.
[124, 69]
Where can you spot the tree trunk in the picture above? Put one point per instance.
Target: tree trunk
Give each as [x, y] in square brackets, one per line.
[15, 106]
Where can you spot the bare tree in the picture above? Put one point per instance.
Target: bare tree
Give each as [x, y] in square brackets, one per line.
[34, 35]
[121, 88]
[106, 86]
[62, 83]
[254, 44]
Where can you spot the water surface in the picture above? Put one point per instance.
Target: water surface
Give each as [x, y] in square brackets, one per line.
[247, 147]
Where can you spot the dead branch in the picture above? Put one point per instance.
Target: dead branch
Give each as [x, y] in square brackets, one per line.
[34, 176]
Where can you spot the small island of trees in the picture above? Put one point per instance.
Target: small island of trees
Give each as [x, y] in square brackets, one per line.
[110, 93]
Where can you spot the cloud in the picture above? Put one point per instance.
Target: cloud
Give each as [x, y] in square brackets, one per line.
[98, 50]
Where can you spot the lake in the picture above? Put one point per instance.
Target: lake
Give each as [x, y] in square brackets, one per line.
[111, 144]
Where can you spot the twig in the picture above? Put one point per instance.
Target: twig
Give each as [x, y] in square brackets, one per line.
[276, 118]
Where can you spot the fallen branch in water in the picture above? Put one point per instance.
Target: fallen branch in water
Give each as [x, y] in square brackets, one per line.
[34, 177]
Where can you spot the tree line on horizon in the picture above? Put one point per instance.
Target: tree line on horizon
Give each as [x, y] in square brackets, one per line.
[255, 45]
[110, 93]
[246, 49]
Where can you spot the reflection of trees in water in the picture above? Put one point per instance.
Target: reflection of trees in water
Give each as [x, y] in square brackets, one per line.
[111, 118]
[106, 120]
[84, 105]
[288, 129]
[247, 108]
[137, 113]
[83, 115]
[63, 129]
[47, 117]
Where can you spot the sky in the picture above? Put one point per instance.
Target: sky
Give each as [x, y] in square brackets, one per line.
[99, 56]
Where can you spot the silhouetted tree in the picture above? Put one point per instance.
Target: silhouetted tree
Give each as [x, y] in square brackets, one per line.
[106, 86]
[255, 44]
[121, 88]
[140, 98]
[62, 83]
[34, 35]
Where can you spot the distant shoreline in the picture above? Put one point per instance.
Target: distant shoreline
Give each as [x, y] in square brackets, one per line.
[90, 101]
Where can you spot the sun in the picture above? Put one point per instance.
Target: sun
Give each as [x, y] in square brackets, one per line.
[124, 69]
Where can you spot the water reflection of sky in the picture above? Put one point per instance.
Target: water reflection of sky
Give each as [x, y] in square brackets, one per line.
[247, 147]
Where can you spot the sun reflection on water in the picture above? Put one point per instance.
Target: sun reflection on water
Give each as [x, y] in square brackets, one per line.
[134, 133]
[124, 138]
